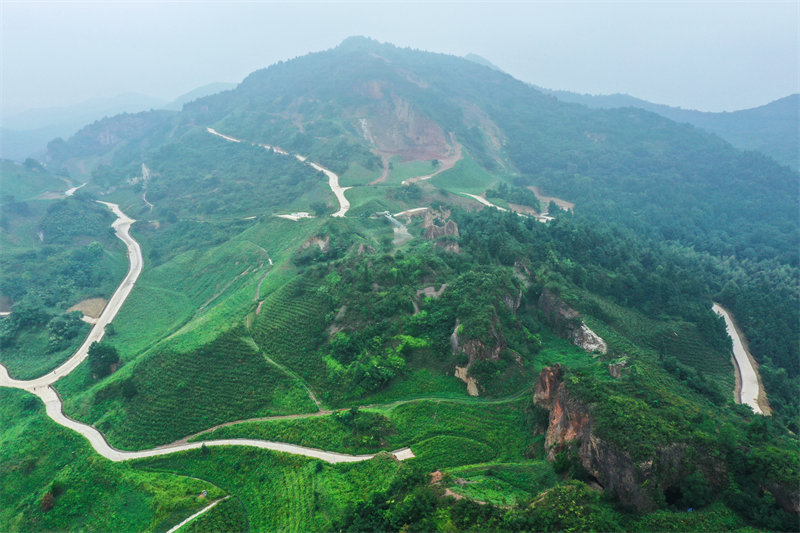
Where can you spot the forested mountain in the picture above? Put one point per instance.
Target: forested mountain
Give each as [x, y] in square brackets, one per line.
[771, 129]
[318, 242]
[26, 134]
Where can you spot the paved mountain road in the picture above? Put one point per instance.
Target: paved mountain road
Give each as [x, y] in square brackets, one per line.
[42, 386]
[749, 383]
[333, 178]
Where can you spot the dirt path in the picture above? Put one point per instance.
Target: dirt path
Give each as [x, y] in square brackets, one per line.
[333, 178]
[544, 217]
[250, 341]
[385, 173]
[444, 164]
[411, 212]
[42, 387]
[484, 201]
[71, 191]
[749, 389]
[390, 405]
[195, 515]
[145, 181]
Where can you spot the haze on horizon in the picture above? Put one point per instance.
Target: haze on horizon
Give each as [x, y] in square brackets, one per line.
[711, 56]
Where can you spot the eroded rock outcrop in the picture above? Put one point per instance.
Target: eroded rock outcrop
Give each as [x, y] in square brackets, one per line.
[566, 322]
[433, 232]
[472, 384]
[475, 350]
[571, 424]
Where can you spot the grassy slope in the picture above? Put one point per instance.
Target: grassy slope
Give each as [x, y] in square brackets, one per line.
[177, 355]
[441, 432]
[91, 493]
[502, 483]
[180, 394]
[465, 176]
[25, 183]
[29, 358]
[281, 492]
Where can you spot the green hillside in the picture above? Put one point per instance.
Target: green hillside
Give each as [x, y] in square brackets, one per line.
[421, 318]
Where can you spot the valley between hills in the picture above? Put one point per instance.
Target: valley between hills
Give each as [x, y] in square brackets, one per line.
[413, 294]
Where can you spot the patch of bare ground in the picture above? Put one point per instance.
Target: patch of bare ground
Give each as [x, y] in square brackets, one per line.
[562, 204]
[524, 209]
[50, 196]
[446, 162]
[431, 292]
[436, 479]
[91, 307]
[385, 162]
[296, 216]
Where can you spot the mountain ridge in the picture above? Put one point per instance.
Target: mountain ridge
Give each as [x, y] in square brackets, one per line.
[384, 327]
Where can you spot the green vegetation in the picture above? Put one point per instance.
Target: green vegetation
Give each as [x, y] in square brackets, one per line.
[515, 195]
[465, 176]
[501, 483]
[52, 480]
[228, 515]
[24, 182]
[78, 258]
[170, 395]
[239, 314]
[280, 491]
[441, 433]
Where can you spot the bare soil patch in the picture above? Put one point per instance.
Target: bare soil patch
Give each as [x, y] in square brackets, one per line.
[91, 307]
[563, 204]
[445, 163]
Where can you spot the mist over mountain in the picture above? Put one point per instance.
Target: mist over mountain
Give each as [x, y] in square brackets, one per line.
[492, 305]
[25, 134]
[771, 129]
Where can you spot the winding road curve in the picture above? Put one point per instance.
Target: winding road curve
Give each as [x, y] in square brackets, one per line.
[122, 228]
[333, 178]
[42, 386]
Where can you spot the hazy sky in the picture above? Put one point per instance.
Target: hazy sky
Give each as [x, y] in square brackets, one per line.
[711, 56]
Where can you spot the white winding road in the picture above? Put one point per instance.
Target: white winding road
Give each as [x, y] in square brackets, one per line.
[42, 386]
[748, 377]
[122, 228]
[333, 178]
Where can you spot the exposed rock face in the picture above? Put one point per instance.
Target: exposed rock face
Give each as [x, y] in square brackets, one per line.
[544, 391]
[571, 423]
[566, 322]
[433, 231]
[588, 340]
[431, 292]
[395, 127]
[513, 302]
[437, 224]
[472, 384]
[475, 350]
[323, 242]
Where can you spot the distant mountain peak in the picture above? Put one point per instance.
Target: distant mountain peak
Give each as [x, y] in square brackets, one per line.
[359, 43]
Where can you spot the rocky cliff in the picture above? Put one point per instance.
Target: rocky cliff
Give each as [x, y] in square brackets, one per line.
[566, 322]
[571, 424]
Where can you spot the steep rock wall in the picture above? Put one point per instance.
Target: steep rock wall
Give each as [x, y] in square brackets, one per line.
[571, 423]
